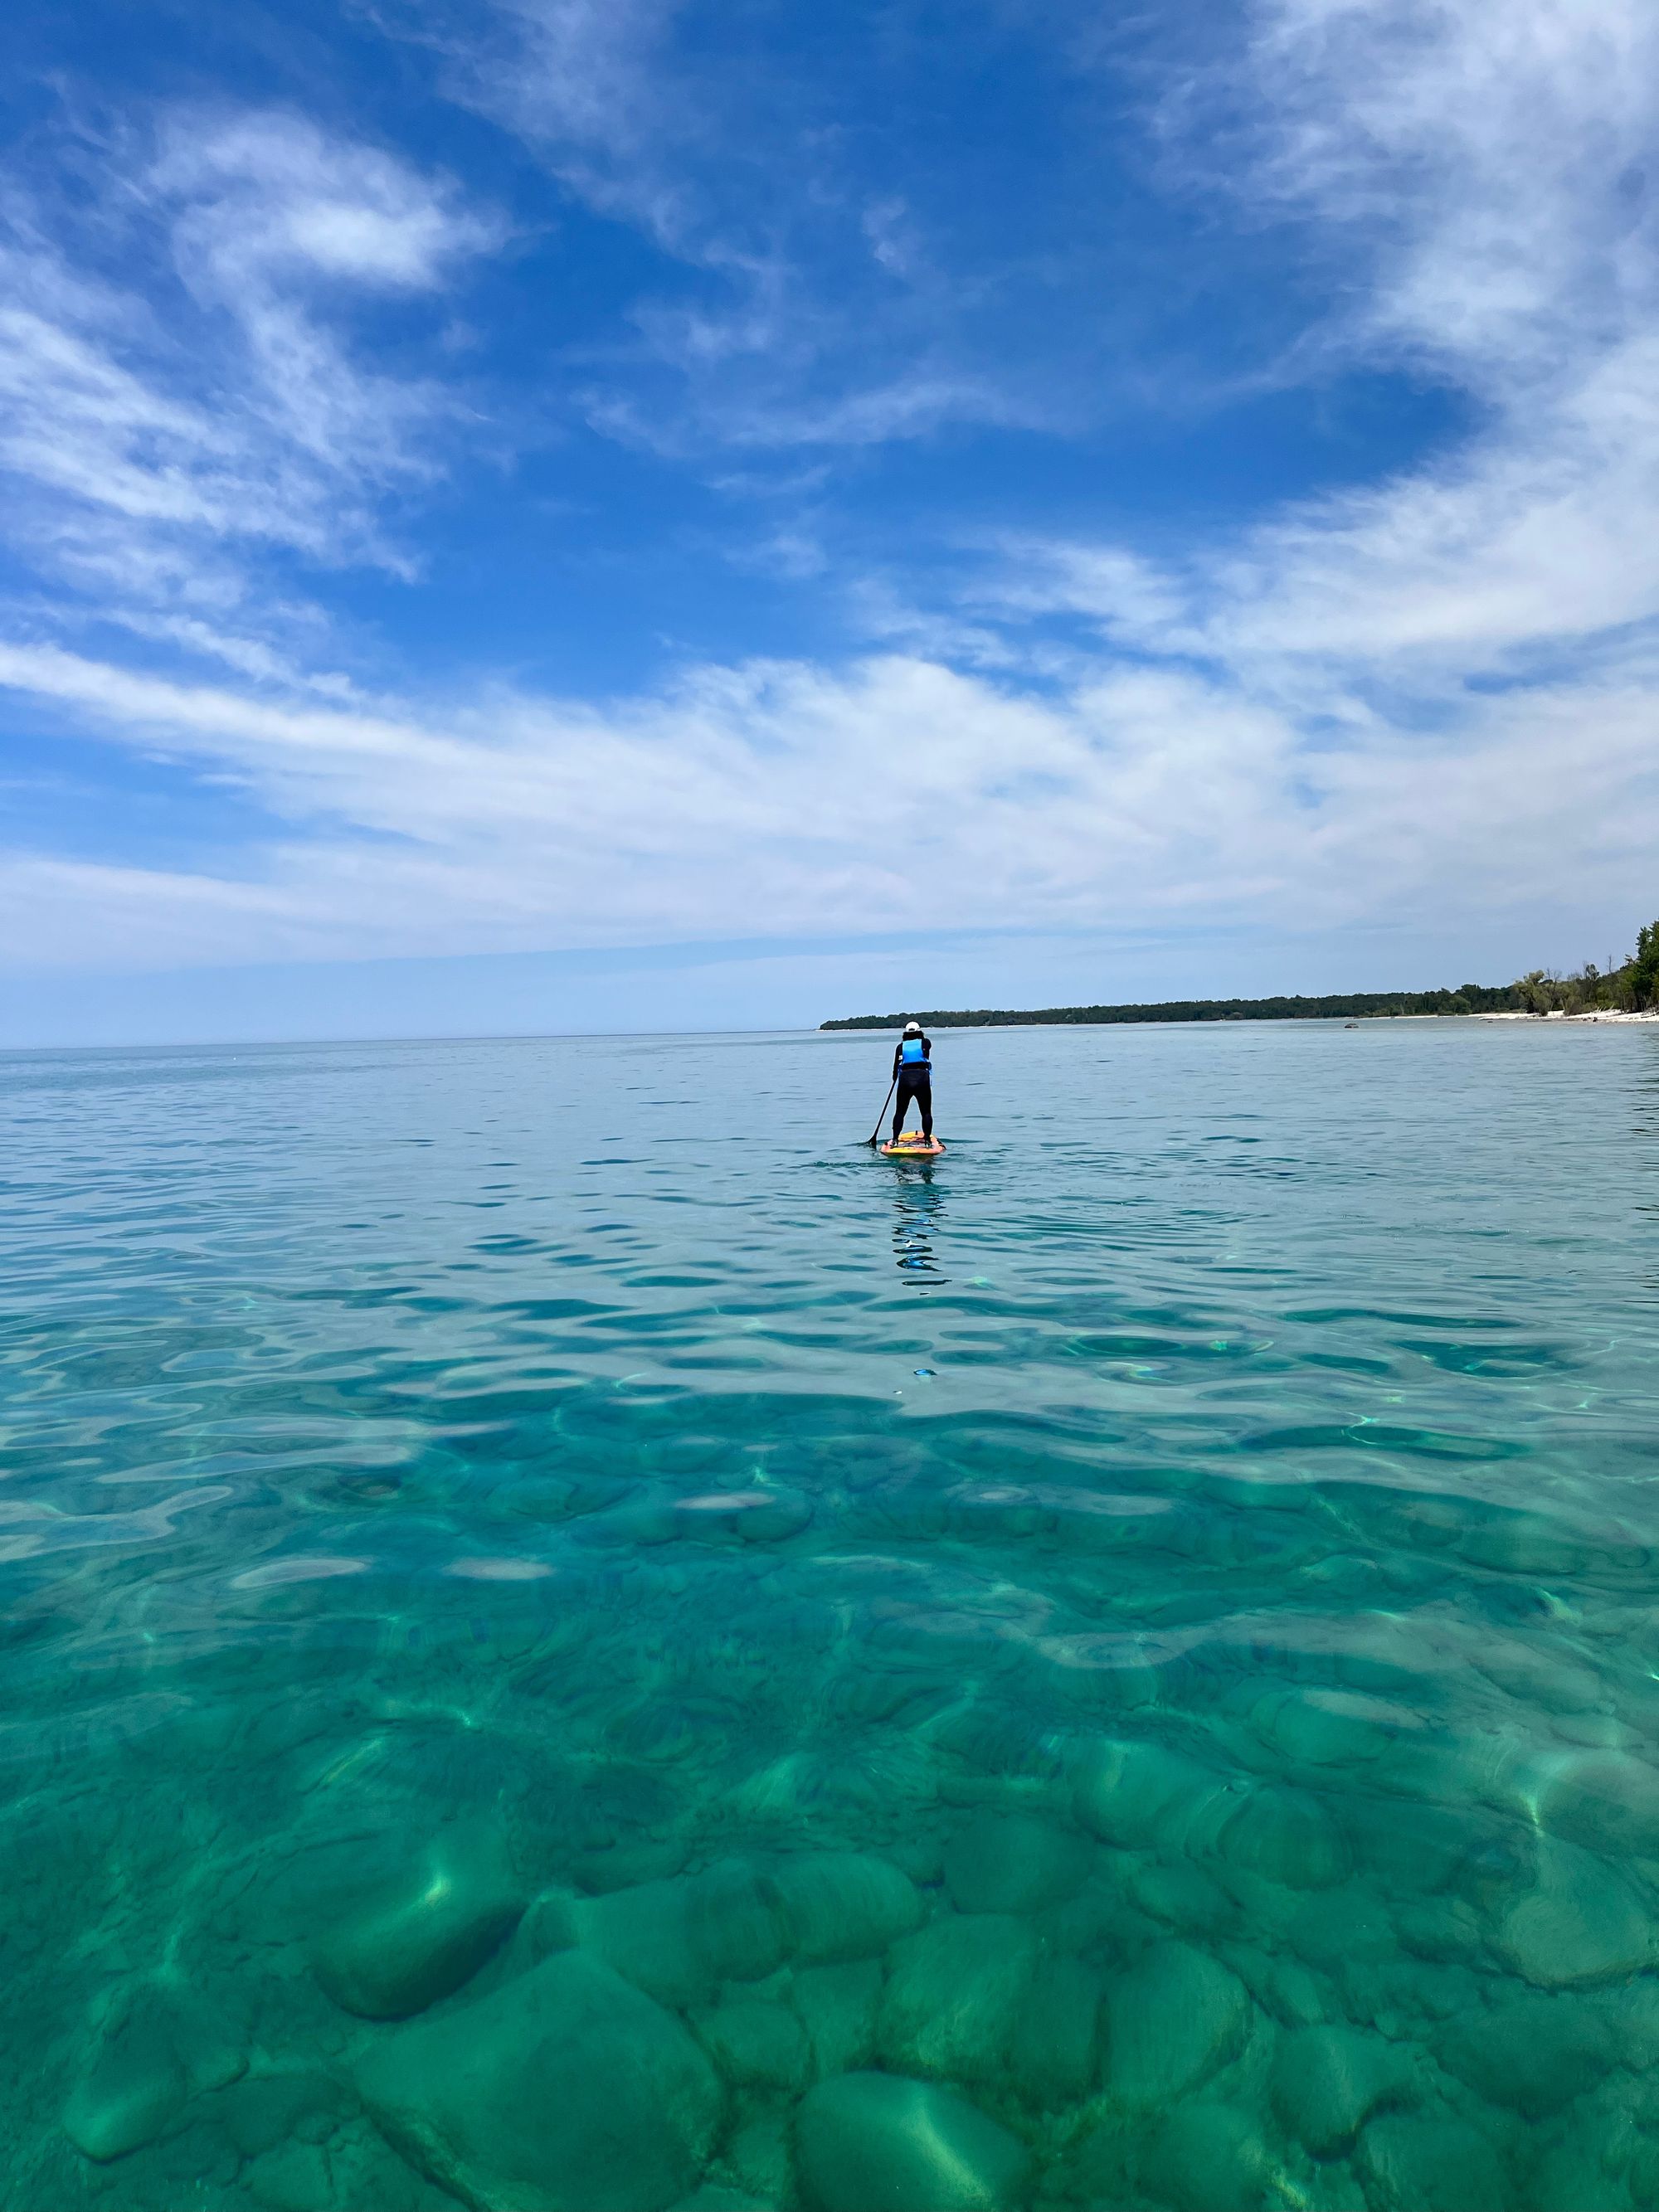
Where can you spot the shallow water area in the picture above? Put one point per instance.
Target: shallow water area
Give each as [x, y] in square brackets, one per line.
[574, 1640]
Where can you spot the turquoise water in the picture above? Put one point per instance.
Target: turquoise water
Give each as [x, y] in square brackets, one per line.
[574, 1642]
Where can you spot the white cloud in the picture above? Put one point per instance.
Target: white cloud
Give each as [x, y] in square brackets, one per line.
[728, 168]
[1490, 165]
[1436, 693]
[1479, 179]
[781, 799]
[160, 428]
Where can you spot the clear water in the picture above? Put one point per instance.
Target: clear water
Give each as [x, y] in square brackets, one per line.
[572, 1638]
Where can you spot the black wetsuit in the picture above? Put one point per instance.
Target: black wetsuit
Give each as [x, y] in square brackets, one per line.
[916, 1080]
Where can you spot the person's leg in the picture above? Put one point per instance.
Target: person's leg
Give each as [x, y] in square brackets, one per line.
[900, 1102]
[925, 1100]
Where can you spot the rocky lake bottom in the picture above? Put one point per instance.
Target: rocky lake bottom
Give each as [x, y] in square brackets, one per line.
[570, 1641]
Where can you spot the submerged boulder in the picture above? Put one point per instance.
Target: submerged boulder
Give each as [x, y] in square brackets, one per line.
[878, 2142]
[844, 1904]
[1534, 2053]
[1328, 2080]
[1208, 2158]
[837, 2008]
[1133, 1794]
[954, 1992]
[1009, 1862]
[1606, 1801]
[422, 1933]
[1285, 1837]
[156, 2044]
[678, 1939]
[1578, 1923]
[748, 1515]
[1414, 2164]
[1054, 2049]
[755, 2044]
[128, 2096]
[1173, 2018]
[566, 2091]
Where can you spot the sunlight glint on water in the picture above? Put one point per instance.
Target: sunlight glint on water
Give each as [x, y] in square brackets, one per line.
[572, 1638]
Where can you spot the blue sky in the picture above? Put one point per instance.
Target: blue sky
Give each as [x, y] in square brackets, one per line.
[571, 515]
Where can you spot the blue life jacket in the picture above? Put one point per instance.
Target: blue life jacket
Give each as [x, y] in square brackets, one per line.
[912, 1053]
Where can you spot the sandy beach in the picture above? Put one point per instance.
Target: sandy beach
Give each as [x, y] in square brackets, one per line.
[1599, 1014]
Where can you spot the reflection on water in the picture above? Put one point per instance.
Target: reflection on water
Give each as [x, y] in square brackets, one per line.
[541, 1669]
[919, 1212]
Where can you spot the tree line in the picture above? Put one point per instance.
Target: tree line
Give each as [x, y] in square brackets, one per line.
[1629, 985]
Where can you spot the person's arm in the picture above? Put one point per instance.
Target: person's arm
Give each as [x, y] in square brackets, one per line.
[897, 1049]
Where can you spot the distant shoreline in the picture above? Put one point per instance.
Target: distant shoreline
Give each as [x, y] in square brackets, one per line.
[1381, 1005]
[1628, 991]
[1349, 1006]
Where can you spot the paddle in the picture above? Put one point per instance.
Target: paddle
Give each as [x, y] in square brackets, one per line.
[882, 1117]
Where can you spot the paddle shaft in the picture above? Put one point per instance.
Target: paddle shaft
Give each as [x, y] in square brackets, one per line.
[882, 1117]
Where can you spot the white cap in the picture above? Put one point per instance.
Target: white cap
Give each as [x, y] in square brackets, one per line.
[913, 1029]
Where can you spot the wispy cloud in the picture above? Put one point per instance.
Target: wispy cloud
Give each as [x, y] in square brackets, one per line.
[1480, 179]
[1356, 704]
[1487, 169]
[795, 308]
[896, 794]
[181, 388]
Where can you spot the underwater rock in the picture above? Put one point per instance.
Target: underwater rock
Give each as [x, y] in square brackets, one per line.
[1285, 1837]
[746, 1516]
[1606, 1801]
[1570, 2176]
[1578, 1923]
[760, 2160]
[263, 2110]
[716, 2197]
[1329, 2081]
[293, 2178]
[565, 2091]
[995, 1740]
[1545, 1549]
[1534, 2053]
[1632, 2014]
[1207, 2158]
[1286, 1987]
[953, 1993]
[1008, 1863]
[132, 2093]
[1172, 2020]
[1411, 1849]
[1052, 2050]
[679, 1940]
[1133, 1794]
[157, 2045]
[1331, 1727]
[837, 2008]
[1412, 2164]
[877, 2142]
[1183, 1895]
[1099, 2169]
[547, 1924]
[844, 1904]
[420, 1935]
[562, 1497]
[754, 2045]
[1541, 1674]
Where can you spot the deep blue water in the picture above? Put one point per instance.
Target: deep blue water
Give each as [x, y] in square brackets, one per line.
[575, 1641]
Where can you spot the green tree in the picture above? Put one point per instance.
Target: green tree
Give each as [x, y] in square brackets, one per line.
[1642, 972]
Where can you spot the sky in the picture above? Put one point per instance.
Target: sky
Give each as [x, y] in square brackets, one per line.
[632, 514]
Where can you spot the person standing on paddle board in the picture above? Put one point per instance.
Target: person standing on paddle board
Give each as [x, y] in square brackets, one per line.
[913, 1071]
